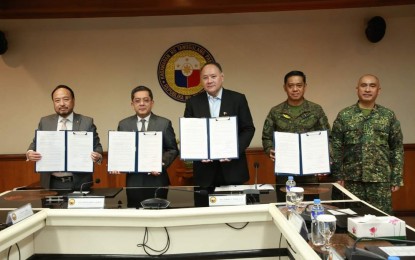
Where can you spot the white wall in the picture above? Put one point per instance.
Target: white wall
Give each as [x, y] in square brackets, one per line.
[102, 59]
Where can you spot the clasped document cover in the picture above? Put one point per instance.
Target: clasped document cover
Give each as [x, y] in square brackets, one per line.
[135, 151]
[301, 154]
[64, 151]
[209, 138]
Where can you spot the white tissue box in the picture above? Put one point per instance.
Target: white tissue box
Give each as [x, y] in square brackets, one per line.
[372, 226]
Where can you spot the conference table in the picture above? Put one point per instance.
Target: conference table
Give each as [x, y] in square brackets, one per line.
[258, 230]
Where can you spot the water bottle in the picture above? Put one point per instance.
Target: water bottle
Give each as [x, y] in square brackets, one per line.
[393, 258]
[316, 209]
[288, 198]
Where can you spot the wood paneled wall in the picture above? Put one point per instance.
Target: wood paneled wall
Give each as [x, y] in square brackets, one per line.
[16, 172]
[22, 9]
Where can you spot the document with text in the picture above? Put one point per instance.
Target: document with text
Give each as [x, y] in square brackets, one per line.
[209, 138]
[64, 151]
[150, 148]
[121, 151]
[135, 151]
[302, 154]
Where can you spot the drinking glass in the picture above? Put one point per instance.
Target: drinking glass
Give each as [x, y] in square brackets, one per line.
[296, 196]
[326, 226]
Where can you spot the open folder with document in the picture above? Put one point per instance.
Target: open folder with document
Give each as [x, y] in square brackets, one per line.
[302, 154]
[209, 138]
[135, 151]
[64, 151]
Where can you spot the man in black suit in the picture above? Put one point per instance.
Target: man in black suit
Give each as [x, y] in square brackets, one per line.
[142, 102]
[216, 102]
[63, 99]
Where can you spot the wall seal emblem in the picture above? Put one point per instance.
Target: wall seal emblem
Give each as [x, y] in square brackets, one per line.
[178, 70]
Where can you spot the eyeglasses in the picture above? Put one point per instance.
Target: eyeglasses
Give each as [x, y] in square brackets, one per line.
[141, 100]
[298, 86]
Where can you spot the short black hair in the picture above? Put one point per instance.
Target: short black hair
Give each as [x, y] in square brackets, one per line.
[294, 73]
[212, 63]
[141, 88]
[65, 87]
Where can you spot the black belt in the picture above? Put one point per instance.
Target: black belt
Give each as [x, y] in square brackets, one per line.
[63, 178]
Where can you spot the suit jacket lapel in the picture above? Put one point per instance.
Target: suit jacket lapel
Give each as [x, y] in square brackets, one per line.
[133, 123]
[152, 123]
[225, 110]
[76, 122]
[205, 105]
[53, 124]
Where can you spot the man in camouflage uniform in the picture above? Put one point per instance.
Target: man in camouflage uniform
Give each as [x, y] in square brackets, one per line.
[367, 147]
[295, 115]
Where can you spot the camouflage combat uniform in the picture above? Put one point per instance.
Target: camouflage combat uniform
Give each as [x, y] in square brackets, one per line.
[309, 117]
[368, 153]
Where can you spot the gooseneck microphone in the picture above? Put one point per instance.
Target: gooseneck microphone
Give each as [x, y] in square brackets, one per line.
[159, 203]
[254, 191]
[87, 183]
[256, 166]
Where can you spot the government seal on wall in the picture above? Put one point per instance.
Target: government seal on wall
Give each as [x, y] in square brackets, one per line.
[178, 71]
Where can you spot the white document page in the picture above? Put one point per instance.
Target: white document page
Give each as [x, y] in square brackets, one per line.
[399, 250]
[315, 152]
[223, 139]
[150, 151]
[287, 153]
[80, 144]
[230, 188]
[193, 139]
[51, 145]
[121, 151]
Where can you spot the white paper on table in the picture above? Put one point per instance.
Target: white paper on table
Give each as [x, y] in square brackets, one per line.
[230, 188]
[223, 138]
[51, 145]
[399, 250]
[193, 139]
[80, 144]
[347, 211]
[121, 151]
[150, 151]
[315, 152]
[287, 153]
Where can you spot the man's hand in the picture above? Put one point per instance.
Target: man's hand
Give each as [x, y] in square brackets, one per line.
[207, 161]
[341, 182]
[96, 157]
[33, 156]
[395, 188]
[272, 154]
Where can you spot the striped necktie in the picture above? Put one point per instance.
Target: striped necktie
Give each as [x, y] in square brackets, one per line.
[143, 125]
[63, 125]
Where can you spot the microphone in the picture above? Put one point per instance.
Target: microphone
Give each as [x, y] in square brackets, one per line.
[97, 180]
[254, 191]
[256, 166]
[353, 253]
[253, 194]
[159, 203]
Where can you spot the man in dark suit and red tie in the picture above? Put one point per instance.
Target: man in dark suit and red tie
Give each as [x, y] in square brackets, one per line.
[63, 99]
[216, 101]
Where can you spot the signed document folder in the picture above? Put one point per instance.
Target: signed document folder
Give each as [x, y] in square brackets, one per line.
[301, 154]
[64, 151]
[209, 138]
[135, 151]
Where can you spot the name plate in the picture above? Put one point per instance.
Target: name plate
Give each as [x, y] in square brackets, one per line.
[227, 200]
[96, 202]
[19, 214]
